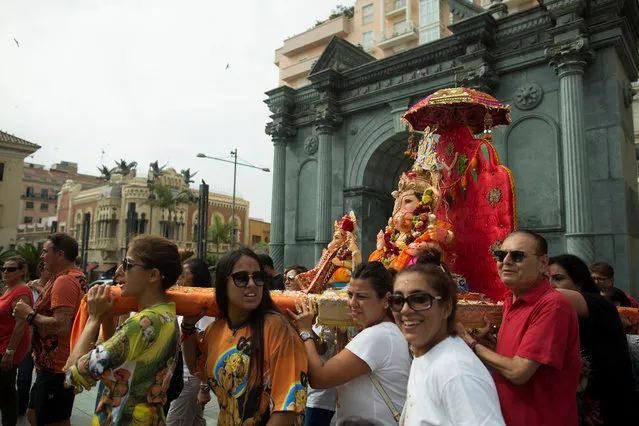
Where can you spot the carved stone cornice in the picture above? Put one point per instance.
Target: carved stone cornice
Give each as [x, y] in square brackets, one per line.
[477, 34]
[564, 11]
[482, 78]
[327, 81]
[571, 57]
[281, 100]
[463, 9]
[281, 131]
[477, 29]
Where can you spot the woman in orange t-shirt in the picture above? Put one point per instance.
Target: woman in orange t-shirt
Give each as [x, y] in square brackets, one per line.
[251, 357]
[14, 335]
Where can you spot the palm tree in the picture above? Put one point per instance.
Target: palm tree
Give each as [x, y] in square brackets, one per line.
[261, 247]
[167, 198]
[219, 233]
[31, 254]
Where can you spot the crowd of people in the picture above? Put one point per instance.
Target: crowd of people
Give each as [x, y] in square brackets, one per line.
[561, 356]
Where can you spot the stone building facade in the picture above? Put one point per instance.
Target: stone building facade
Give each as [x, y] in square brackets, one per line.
[13, 151]
[108, 206]
[566, 68]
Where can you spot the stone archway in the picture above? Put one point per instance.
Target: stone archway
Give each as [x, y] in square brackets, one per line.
[381, 165]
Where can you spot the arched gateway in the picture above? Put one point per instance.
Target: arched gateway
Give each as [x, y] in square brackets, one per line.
[565, 67]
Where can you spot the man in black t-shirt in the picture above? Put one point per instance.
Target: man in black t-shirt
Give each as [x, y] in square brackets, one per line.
[277, 280]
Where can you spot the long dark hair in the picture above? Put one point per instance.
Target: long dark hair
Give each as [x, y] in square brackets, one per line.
[257, 317]
[577, 270]
[200, 271]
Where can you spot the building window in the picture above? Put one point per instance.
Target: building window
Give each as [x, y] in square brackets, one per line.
[367, 41]
[44, 194]
[30, 192]
[44, 207]
[367, 14]
[1, 171]
[426, 35]
[256, 239]
[428, 12]
[28, 219]
[29, 205]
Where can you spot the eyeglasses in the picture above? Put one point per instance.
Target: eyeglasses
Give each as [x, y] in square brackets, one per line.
[600, 279]
[419, 301]
[241, 278]
[127, 264]
[9, 269]
[516, 256]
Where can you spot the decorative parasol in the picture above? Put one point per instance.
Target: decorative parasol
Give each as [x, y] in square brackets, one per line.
[478, 110]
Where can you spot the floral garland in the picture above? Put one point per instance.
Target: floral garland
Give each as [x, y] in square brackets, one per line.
[392, 248]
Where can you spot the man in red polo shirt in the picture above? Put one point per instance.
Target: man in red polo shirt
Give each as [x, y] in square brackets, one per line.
[537, 363]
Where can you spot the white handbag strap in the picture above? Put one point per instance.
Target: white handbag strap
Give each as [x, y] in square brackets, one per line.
[387, 400]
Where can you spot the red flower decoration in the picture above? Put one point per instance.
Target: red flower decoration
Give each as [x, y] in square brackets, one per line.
[347, 224]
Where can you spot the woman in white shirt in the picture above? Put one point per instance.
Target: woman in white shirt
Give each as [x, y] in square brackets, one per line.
[378, 353]
[448, 384]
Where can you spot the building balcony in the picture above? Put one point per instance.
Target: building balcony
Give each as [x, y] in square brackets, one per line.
[394, 8]
[109, 244]
[398, 35]
[322, 33]
[298, 70]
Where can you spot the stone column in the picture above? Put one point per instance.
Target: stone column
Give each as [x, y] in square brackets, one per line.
[281, 132]
[323, 226]
[568, 62]
[278, 204]
[282, 129]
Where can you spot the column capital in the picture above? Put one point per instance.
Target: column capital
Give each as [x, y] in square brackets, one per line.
[326, 118]
[280, 131]
[571, 57]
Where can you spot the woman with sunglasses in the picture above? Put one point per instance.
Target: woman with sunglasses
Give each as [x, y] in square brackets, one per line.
[609, 396]
[250, 357]
[14, 334]
[448, 384]
[137, 362]
[374, 366]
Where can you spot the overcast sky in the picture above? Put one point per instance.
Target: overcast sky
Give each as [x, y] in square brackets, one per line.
[94, 81]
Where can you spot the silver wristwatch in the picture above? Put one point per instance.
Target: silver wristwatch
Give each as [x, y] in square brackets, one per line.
[305, 335]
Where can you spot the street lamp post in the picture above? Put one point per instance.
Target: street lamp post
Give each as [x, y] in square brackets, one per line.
[235, 164]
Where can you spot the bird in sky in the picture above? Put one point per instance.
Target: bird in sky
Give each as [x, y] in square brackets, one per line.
[17, 44]
[228, 66]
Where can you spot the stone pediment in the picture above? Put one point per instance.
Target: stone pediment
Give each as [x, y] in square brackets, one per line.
[340, 55]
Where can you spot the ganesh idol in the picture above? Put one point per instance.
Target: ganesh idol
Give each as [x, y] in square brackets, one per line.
[414, 226]
[338, 259]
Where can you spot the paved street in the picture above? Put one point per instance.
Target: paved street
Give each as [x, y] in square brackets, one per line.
[85, 403]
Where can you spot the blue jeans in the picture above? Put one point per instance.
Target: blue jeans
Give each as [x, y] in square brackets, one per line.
[318, 417]
[25, 378]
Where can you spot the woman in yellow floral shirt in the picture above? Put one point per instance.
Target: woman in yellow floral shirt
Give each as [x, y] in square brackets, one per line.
[137, 361]
[251, 357]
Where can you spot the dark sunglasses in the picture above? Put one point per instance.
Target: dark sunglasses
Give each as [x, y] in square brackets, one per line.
[241, 278]
[516, 256]
[420, 301]
[9, 269]
[127, 264]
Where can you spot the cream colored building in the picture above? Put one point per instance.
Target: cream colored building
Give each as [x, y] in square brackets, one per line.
[13, 151]
[381, 28]
[107, 208]
[259, 231]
